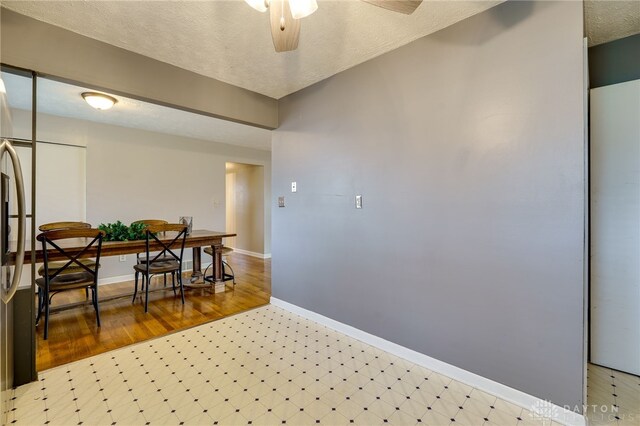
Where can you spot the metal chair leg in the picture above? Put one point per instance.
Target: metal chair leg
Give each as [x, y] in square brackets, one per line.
[46, 315]
[40, 306]
[232, 275]
[95, 302]
[135, 290]
[146, 296]
[181, 286]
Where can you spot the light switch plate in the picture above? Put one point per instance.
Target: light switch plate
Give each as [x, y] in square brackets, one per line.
[358, 201]
[294, 187]
[280, 201]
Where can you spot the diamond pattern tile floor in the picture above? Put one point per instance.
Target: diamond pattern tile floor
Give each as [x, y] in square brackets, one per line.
[613, 397]
[262, 367]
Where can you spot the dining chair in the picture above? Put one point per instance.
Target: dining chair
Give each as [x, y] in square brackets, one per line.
[225, 252]
[142, 258]
[167, 260]
[60, 279]
[53, 266]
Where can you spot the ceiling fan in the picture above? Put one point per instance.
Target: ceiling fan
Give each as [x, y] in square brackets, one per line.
[285, 16]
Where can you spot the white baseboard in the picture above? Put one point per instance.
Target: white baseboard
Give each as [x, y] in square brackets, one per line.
[116, 279]
[530, 402]
[252, 253]
[186, 267]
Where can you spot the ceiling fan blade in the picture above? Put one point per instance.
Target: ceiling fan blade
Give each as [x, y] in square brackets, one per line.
[280, 14]
[401, 6]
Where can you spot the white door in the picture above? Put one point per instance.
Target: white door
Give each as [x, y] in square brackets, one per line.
[615, 226]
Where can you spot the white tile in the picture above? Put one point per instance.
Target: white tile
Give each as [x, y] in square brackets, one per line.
[157, 411]
[469, 418]
[302, 399]
[285, 410]
[362, 398]
[334, 419]
[477, 394]
[349, 409]
[381, 409]
[124, 411]
[432, 418]
[454, 397]
[317, 410]
[301, 419]
[268, 419]
[167, 420]
[446, 408]
[369, 419]
[482, 408]
[332, 398]
[393, 398]
[501, 418]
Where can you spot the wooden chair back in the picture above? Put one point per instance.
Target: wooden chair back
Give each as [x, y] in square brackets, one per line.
[62, 225]
[150, 222]
[167, 248]
[52, 239]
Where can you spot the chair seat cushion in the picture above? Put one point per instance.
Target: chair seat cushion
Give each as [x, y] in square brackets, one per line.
[158, 267]
[143, 258]
[67, 281]
[73, 268]
[225, 250]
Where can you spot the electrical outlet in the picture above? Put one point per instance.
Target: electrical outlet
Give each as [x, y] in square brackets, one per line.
[280, 201]
[123, 258]
[358, 201]
[294, 187]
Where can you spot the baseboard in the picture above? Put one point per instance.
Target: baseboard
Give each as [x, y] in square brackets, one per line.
[252, 253]
[186, 267]
[532, 403]
[116, 279]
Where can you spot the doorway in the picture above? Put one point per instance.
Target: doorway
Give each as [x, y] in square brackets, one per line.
[244, 188]
[80, 147]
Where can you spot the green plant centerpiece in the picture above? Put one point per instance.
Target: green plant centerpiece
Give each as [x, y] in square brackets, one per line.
[118, 231]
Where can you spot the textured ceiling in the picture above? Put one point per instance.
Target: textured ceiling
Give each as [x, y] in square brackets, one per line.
[231, 42]
[64, 100]
[608, 20]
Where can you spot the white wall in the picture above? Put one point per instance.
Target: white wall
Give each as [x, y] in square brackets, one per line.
[134, 174]
[61, 178]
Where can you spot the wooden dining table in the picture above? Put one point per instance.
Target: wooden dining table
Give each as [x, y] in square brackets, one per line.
[195, 240]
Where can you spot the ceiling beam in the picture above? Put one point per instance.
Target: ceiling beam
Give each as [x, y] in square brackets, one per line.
[66, 56]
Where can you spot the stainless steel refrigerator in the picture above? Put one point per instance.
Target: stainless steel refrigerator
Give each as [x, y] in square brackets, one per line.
[12, 255]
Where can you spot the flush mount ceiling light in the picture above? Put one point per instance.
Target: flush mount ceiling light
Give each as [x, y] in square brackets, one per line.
[285, 16]
[99, 100]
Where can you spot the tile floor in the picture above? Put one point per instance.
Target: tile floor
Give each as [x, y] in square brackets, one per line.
[262, 367]
[613, 397]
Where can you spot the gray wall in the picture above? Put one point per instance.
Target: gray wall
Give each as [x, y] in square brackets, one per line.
[467, 146]
[615, 62]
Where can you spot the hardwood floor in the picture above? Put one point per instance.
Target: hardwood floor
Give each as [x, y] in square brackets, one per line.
[73, 333]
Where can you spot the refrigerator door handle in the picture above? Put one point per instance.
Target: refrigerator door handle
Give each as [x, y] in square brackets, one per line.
[19, 263]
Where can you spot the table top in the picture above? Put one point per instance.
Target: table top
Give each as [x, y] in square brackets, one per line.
[197, 238]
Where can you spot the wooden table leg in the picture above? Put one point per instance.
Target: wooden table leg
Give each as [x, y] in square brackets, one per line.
[197, 265]
[217, 262]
